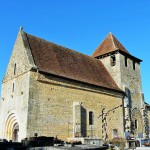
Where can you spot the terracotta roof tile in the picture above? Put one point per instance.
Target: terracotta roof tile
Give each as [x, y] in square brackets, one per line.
[61, 61]
[109, 44]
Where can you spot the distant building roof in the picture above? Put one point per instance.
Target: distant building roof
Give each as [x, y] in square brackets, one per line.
[57, 60]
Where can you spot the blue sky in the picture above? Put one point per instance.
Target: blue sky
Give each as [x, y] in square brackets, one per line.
[80, 25]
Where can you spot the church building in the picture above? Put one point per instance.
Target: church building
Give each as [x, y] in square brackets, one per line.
[55, 91]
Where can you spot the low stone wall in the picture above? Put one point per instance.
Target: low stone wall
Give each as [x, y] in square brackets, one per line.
[77, 147]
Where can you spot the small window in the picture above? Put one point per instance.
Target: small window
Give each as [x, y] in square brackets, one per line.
[113, 60]
[126, 61]
[127, 91]
[136, 124]
[143, 97]
[13, 88]
[15, 69]
[115, 133]
[91, 118]
[133, 65]
[128, 97]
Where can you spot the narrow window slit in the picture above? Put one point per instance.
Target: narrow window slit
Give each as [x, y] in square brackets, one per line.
[113, 60]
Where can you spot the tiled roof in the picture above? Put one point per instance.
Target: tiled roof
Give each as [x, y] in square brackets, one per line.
[57, 60]
[109, 44]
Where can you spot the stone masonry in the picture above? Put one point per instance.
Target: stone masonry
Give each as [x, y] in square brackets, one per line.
[127, 76]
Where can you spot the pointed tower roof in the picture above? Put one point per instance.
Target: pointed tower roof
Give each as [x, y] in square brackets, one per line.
[109, 44]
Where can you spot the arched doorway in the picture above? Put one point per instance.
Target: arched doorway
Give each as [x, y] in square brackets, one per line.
[11, 128]
[15, 133]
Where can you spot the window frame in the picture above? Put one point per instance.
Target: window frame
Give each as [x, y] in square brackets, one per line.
[15, 69]
[126, 61]
[133, 65]
[91, 118]
[112, 60]
[136, 124]
[13, 87]
[115, 133]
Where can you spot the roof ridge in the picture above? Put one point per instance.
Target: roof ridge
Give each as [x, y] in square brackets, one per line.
[69, 49]
[113, 41]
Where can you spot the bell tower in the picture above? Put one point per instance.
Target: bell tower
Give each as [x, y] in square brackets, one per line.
[125, 70]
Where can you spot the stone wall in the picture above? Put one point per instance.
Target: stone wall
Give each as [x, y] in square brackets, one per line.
[113, 70]
[51, 107]
[16, 103]
[15, 90]
[128, 77]
[132, 79]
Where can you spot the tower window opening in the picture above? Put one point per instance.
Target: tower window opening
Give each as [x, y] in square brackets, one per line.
[128, 98]
[126, 61]
[133, 65]
[91, 118]
[136, 124]
[143, 96]
[113, 60]
[127, 91]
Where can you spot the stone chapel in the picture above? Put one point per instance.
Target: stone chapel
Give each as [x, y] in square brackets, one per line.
[55, 91]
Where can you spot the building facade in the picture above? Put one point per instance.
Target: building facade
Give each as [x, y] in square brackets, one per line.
[54, 91]
[125, 70]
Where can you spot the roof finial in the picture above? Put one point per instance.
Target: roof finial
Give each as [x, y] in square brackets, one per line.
[110, 33]
[21, 27]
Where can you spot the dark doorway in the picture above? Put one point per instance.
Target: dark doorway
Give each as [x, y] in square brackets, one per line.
[15, 133]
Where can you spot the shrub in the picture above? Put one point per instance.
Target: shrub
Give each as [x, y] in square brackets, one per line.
[120, 142]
